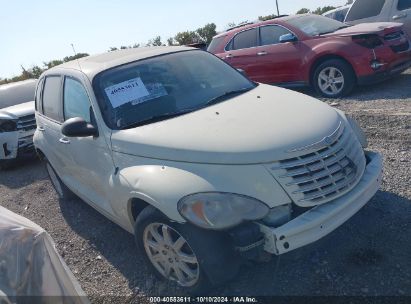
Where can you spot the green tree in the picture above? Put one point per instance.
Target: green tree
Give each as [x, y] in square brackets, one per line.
[74, 57]
[303, 11]
[112, 49]
[155, 42]
[322, 10]
[187, 37]
[268, 17]
[207, 32]
[52, 63]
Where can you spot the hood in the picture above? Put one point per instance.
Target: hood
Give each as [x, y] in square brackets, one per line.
[259, 126]
[368, 28]
[20, 110]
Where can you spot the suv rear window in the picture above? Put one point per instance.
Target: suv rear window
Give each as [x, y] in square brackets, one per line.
[244, 40]
[365, 9]
[215, 44]
[403, 5]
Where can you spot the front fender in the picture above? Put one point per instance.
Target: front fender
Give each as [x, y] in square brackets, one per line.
[163, 183]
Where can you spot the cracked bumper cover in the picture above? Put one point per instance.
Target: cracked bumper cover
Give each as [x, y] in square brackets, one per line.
[322, 220]
[13, 144]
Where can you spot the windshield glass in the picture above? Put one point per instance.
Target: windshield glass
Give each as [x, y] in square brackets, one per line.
[16, 93]
[162, 87]
[314, 25]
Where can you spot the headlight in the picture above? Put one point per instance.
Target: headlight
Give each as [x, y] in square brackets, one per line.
[358, 131]
[7, 125]
[216, 210]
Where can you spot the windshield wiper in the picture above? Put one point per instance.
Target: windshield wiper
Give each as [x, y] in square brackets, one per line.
[227, 95]
[156, 118]
[329, 32]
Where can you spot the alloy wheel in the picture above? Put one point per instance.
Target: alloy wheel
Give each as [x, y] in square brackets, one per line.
[170, 254]
[331, 81]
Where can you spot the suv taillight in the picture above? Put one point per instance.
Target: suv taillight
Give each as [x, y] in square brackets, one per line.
[370, 41]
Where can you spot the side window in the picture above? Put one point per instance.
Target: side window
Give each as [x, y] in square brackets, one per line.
[271, 34]
[365, 9]
[76, 101]
[52, 97]
[403, 5]
[245, 40]
[39, 90]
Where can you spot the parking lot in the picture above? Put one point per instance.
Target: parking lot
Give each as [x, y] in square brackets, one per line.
[369, 255]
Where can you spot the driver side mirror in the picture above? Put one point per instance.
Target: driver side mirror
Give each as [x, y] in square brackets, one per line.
[78, 127]
[288, 38]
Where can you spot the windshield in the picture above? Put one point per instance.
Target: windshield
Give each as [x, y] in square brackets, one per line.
[16, 93]
[162, 87]
[314, 25]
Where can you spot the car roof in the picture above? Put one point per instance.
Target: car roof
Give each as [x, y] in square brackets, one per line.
[236, 29]
[92, 65]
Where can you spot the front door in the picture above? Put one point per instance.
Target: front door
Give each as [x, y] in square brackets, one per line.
[278, 62]
[91, 164]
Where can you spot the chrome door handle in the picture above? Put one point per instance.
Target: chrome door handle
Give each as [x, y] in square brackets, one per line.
[263, 53]
[399, 16]
[229, 56]
[41, 129]
[64, 140]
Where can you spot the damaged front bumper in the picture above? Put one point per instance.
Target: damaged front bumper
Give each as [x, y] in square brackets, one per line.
[322, 220]
[15, 144]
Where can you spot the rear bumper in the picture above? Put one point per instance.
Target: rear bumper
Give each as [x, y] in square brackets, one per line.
[384, 75]
[322, 220]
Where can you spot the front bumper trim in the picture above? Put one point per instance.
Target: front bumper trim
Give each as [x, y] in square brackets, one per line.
[322, 220]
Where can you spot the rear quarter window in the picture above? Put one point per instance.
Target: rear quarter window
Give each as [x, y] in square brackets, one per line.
[216, 45]
[365, 9]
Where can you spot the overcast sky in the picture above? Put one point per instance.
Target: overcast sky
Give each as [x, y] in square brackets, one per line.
[36, 31]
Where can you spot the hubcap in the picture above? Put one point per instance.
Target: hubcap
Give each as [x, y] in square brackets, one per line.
[170, 254]
[54, 180]
[331, 81]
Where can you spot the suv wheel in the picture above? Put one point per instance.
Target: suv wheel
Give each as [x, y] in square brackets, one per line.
[334, 78]
[62, 191]
[184, 255]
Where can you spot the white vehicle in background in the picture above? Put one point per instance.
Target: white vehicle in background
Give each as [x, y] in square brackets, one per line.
[364, 11]
[203, 166]
[17, 120]
[338, 14]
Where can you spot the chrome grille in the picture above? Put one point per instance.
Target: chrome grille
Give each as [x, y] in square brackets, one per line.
[26, 123]
[322, 175]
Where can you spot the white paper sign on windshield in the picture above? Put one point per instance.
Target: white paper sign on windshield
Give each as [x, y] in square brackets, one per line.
[127, 91]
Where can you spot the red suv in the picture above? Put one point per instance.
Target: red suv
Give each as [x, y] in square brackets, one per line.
[314, 50]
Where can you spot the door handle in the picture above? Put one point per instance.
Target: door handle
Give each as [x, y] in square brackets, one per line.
[263, 53]
[41, 129]
[399, 16]
[64, 140]
[229, 56]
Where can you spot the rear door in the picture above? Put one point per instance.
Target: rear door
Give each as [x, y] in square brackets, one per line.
[49, 120]
[277, 62]
[402, 13]
[241, 52]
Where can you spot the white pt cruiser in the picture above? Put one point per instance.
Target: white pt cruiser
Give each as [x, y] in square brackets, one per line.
[203, 166]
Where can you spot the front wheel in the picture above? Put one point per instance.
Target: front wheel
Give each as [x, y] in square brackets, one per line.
[186, 256]
[334, 78]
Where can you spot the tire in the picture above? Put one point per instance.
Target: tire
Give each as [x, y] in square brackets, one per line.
[334, 78]
[63, 192]
[207, 254]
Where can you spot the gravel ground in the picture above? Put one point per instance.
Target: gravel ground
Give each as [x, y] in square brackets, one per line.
[369, 255]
